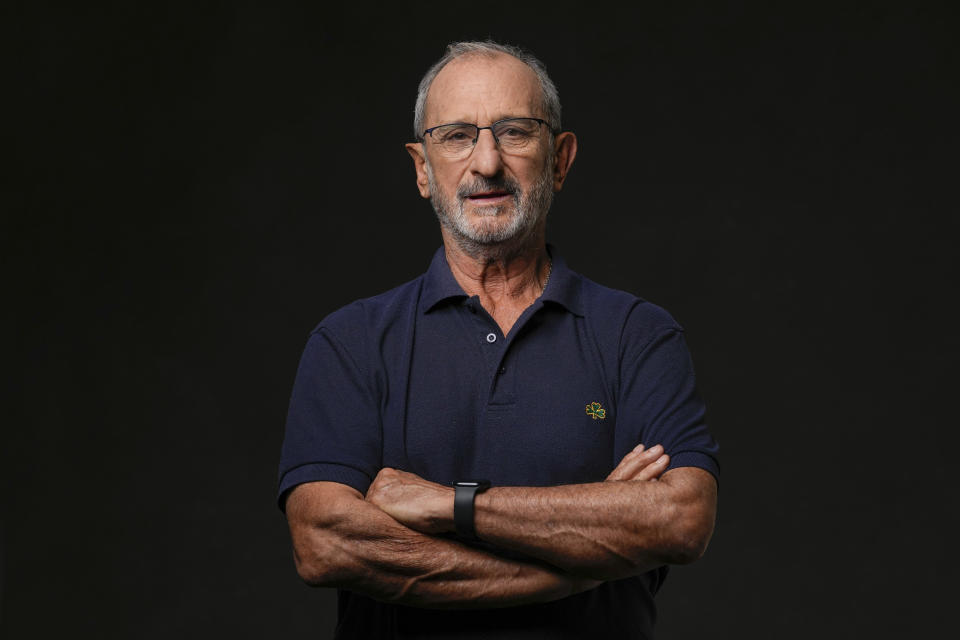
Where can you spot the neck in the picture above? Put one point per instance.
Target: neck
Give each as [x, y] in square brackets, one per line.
[499, 271]
[506, 282]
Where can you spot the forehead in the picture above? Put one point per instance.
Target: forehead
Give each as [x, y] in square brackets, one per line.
[477, 88]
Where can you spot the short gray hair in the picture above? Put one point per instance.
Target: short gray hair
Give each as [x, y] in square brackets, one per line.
[489, 48]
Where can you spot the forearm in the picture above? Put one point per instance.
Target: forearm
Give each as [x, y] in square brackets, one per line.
[638, 519]
[352, 544]
[604, 530]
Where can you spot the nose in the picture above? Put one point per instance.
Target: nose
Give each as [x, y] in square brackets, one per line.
[485, 159]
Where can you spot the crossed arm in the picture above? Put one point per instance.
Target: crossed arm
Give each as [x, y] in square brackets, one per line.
[386, 544]
[341, 540]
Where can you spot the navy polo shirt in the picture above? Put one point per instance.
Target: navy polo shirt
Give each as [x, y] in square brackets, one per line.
[421, 378]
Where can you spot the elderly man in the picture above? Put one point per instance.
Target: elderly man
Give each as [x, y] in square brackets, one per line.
[501, 447]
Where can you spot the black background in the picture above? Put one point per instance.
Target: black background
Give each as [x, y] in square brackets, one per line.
[192, 188]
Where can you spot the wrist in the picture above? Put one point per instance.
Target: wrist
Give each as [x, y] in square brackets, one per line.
[443, 510]
[463, 506]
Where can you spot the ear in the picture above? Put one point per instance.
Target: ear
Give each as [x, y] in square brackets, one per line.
[416, 151]
[565, 150]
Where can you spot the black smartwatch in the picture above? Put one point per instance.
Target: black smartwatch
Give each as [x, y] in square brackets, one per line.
[466, 491]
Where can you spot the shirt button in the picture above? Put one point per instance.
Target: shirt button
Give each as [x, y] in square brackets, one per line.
[491, 337]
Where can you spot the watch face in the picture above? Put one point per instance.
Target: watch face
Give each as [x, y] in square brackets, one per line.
[472, 483]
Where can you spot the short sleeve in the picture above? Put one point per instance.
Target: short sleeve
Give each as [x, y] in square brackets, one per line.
[659, 400]
[333, 425]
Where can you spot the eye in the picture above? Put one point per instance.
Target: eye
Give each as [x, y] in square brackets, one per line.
[455, 134]
[517, 131]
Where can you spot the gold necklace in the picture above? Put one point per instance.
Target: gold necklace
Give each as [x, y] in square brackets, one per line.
[549, 273]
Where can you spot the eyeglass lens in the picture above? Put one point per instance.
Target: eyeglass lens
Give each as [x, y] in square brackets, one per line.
[513, 135]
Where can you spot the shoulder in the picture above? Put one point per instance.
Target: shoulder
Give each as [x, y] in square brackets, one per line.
[623, 313]
[367, 317]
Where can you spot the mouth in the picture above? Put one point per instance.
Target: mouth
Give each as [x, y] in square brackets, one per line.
[489, 197]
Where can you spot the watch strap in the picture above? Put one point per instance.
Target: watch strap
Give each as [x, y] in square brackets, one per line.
[463, 507]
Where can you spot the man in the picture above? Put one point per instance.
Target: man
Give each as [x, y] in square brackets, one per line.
[576, 403]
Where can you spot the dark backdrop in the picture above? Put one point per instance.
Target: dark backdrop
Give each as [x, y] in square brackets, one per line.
[193, 188]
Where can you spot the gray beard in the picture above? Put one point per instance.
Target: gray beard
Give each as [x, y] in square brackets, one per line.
[488, 241]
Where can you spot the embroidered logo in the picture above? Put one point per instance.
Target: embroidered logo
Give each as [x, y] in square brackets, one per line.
[596, 411]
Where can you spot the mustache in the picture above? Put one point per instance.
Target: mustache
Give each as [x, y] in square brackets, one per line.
[482, 185]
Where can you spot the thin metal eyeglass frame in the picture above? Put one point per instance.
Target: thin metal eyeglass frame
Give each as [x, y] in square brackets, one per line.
[539, 121]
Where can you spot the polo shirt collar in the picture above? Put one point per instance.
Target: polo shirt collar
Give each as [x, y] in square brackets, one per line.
[440, 285]
[564, 285]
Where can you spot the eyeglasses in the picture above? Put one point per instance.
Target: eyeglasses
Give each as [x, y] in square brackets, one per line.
[512, 135]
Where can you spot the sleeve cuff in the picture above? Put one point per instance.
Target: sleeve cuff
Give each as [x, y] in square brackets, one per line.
[320, 472]
[696, 459]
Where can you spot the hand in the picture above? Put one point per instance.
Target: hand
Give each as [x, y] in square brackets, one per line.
[419, 504]
[641, 464]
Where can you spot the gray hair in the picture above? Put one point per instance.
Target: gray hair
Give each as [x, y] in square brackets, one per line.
[489, 48]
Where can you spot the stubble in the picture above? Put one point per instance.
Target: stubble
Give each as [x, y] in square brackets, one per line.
[487, 235]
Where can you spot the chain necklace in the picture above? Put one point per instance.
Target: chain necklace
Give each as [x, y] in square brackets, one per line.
[549, 273]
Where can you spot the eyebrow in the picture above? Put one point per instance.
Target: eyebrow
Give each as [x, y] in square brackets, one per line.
[491, 122]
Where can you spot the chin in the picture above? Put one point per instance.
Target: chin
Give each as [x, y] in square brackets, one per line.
[493, 224]
[494, 233]
[489, 211]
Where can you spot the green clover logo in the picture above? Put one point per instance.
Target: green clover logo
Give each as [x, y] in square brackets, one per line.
[596, 411]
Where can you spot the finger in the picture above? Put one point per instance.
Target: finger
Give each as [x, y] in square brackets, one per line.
[655, 469]
[621, 471]
[635, 461]
[644, 460]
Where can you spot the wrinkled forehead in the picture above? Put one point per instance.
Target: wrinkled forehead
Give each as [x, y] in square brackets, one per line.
[481, 88]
